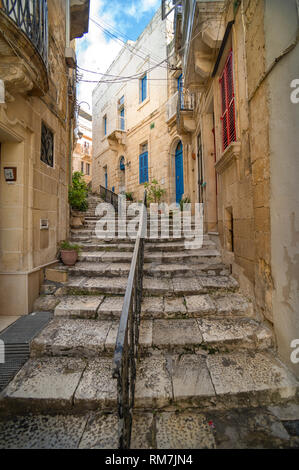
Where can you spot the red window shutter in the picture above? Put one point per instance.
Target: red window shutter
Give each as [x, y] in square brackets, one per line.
[228, 103]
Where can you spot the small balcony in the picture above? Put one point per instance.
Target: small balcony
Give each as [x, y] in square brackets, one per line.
[171, 107]
[116, 130]
[24, 46]
[185, 112]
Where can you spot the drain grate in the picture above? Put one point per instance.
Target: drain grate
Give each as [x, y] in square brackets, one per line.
[16, 339]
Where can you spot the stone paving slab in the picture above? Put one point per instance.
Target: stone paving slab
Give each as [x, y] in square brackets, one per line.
[99, 285]
[174, 305]
[153, 384]
[154, 286]
[111, 307]
[46, 303]
[143, 432]
[229, 331]
[175, 333]
[248, 372]
[183, 286]
[69, 337]
[200, 304]
[219, 282]
[152, 306]
[183, 431]
[77, 306]
[97, 388]
[101, 432]
[233, 304]
[191, 379]
[42, 432]
[44, 383]
[255, 428]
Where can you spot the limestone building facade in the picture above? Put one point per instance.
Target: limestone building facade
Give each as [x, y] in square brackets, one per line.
[82, 155]
[37, 109]
[130, 134]
[239, 62]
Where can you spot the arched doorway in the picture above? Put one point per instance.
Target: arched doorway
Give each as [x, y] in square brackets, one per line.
[179, 172]
[122, 176]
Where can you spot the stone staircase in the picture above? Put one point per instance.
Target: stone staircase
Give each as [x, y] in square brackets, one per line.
[202, 346]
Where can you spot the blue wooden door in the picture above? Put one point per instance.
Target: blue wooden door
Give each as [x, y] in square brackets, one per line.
[179, 173]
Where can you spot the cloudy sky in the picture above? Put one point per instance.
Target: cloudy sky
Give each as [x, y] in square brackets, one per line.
[96, 50]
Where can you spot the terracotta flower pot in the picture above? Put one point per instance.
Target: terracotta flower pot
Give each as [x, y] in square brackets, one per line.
[69, 257]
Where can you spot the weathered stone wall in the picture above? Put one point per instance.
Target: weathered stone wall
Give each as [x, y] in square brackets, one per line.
[40, 192]
[139, 117]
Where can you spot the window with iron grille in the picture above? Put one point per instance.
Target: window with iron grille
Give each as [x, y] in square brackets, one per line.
[47, 146]
[228, 103]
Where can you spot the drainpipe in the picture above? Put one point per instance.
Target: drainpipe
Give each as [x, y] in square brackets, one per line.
[67, 22]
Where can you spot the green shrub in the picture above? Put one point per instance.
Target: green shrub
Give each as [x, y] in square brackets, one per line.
[154, 191]
[78, 192]
[66, 245]
[129, 196]
[185, 200]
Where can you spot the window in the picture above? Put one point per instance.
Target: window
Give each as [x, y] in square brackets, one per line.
[228, 103]
[47, 146]
[143, 88]
[87, 168]
[143, 164]
[82, 167]
[105, 124]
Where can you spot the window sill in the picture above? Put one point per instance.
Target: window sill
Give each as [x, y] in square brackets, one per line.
[143, 103]
[231, 154]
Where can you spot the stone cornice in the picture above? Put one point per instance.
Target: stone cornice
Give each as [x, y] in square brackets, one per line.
[230, 155]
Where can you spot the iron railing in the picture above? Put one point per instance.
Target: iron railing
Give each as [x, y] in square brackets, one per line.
[31, 16]
[171, 106]
[109, 196]
[126, 348]
[186, 100]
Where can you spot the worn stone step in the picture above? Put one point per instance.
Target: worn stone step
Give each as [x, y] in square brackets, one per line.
[92, 239]
[214, 381]
[89, 430]
[168, 270]
[82, 285]
[50, 384]
[219, 306]
[106, 246]
[94, 338]
[83, 338]
[189, 256]
[186, 335]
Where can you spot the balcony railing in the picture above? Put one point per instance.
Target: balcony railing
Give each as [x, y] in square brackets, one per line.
[31, 16]
[186, 100]
[116, 124]
[171, 107]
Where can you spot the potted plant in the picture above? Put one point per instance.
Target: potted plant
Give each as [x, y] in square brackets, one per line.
[129, 196]
[69, 253]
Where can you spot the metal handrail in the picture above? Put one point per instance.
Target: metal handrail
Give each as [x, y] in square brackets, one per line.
[126, 347]
[109, 196]
[31, 16]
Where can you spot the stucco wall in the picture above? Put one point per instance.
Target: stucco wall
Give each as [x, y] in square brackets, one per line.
[281, 27]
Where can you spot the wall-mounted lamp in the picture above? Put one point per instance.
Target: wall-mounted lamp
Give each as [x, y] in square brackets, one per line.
[128, 164]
